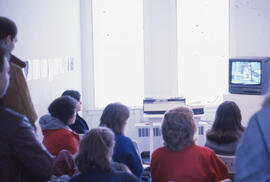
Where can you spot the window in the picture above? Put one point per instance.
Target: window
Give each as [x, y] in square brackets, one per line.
[118, 52]
[203, 28]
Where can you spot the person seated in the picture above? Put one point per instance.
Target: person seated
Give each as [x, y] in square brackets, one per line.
[94, 159]
[227, 129]
[80, 126]
[180, 159]
[115, 117]
[22, 157]
[55, 126]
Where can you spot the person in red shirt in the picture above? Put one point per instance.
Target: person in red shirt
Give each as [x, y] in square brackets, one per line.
[180, 159]
[55, 126]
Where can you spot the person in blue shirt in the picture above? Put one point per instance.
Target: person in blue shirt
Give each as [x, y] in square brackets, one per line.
[80, 126]
[94, 159]
[115, 117]
[252, 161]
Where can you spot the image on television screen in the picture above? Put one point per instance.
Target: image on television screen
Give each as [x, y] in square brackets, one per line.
[248, 73]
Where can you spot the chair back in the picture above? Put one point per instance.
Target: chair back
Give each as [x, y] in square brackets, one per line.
[226, 180]
[229, 161]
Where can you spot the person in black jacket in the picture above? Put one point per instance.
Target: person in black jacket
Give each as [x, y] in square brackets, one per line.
[22, 157]
[80, 126]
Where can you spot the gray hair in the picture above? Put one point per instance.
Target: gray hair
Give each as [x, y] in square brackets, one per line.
[178, 128]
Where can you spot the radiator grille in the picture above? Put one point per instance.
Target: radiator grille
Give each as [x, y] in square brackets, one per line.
[145, 132]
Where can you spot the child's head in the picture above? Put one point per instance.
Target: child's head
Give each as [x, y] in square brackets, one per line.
[96, 149]
[64, 109]
[228, 117]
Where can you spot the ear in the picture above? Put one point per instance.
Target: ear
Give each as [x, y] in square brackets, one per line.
[8, 40]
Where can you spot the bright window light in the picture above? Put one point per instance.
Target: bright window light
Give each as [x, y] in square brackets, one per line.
[118, 52]
[203, 46]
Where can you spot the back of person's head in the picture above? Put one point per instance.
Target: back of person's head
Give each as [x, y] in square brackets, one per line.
[96, 150]
[7, 27]
[228, 118]
[4, 71]
[115, 116]
[72, 93]
[63, 108]
[178, 128]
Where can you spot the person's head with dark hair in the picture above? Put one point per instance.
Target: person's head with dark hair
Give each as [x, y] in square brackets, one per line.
[76, 95]
[115, 116]
[178, 128]
[96, 149]
[4, 71]
[64, 109]
[72, 93]
[227, 122]
[8, 33]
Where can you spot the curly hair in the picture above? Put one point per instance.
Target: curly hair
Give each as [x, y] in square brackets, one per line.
[95, 149]
[115, 116]
[178, 128]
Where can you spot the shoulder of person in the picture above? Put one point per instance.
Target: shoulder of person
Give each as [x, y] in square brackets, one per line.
[8, 115]
[204, 150]
[125, 176]
[123, 139]
[159, 151]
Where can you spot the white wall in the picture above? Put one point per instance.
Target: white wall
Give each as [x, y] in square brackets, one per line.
[47, 29]
[249, 28]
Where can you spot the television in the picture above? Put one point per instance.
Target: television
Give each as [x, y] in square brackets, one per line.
[249, 75]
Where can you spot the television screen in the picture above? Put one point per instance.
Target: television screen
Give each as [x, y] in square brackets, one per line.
[246, 72]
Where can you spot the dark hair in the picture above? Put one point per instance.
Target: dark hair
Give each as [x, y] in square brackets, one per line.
[3, 53]
[7, 27]
[115, 116]
[63, 108]
[72, 93]
[227, 125]
[94, 150]
[178, 128]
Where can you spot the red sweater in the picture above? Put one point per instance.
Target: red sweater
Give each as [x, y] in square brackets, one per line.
[192, 164]
[59, 139]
